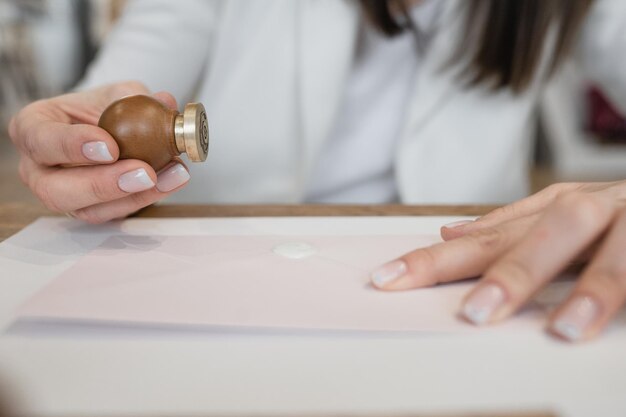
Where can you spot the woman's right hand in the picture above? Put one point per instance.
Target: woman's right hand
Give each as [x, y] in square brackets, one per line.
[72, 165]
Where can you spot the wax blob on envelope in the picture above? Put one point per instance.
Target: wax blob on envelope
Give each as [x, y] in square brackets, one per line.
[244, 281]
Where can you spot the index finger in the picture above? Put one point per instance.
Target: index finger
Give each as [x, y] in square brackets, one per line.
[49, 142]
[465, 257]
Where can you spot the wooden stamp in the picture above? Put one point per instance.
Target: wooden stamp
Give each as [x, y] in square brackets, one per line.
[146, 129]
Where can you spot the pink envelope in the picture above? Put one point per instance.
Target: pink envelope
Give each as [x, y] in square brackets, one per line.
[240, 281]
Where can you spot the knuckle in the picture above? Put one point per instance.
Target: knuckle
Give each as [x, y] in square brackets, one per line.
[100, 190]
[514, 275]
[67, 150]
[508, 210]
[17, 122]
[141, 200]
[609, 282]
[496, 213]
[551, 192]
[488, 239]
[554, 189]
[422, 263]
[584, 208]
[499, 212]
[28, 141]
[42, 190]
[563, 187]
[20, 131]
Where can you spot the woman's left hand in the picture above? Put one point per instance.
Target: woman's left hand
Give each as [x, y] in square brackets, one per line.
[521, 247]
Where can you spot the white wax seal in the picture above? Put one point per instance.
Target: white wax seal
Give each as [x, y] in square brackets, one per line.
[294, 250]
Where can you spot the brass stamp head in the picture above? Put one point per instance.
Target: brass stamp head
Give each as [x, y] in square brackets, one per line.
[192, 132]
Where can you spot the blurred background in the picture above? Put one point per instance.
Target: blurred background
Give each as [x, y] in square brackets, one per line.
[45, 46]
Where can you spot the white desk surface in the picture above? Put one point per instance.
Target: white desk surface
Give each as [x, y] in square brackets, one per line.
[79, 370]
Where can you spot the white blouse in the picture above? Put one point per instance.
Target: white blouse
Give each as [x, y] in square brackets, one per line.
[355, 164]
[299, 112]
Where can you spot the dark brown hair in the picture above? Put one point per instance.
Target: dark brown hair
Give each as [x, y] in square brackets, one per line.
[504, 39]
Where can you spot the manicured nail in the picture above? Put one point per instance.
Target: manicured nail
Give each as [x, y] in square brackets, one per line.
[97, 152]
[458, 224]
[576, 317]
[388, 273]
[135, 181]
[481, 305]
[171, 178]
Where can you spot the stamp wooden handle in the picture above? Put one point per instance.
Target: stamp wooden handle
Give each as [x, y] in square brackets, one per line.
[146, 129]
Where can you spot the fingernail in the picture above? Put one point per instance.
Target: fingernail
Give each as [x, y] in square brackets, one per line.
[481, 305]
[576, 318]
[388, 273]
[171, 178]
[135, 181]
[457, 224]
[97, 151]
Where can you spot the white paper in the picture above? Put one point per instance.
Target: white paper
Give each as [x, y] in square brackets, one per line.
[67, 368]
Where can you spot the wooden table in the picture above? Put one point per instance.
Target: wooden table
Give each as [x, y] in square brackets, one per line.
[15, 216]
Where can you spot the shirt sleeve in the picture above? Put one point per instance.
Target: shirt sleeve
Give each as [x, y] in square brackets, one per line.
[163, 43]
[602, 48]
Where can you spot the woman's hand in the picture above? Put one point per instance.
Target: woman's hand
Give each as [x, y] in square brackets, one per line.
[521, 247]
[72, 165]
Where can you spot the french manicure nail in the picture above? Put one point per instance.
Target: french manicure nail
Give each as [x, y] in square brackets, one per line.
[171, 178]
[481, 305]
[135, 181]
[97, 152]
[388, 273]
[576, 318]
[457, 224]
